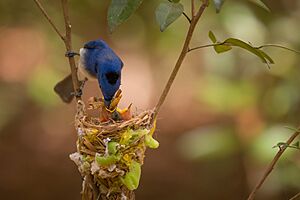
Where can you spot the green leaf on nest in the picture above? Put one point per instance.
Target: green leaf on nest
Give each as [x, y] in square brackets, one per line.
[130, 136]
[132, 178]
[151, 142]
[112, 147]
[121, 10]
[107, 160]
[167, 12]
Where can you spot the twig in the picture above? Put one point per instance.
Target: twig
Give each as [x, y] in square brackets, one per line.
[272, 164]
[278, 46]
[68, 44]
[180, 59]
[49, 19]
[193, 8]
[297, 196]
[187, 17]
[66, 39]
[204, 46]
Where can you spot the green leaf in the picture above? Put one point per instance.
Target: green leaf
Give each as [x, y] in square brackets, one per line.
[167, 12]
[132, 178]
[218, 5]
[212, 36]
[112, 148]
[151, 142]
[222, 48]
[261, 4]
[121, 10]
[248, 47]
[107, 160]
[266, 56]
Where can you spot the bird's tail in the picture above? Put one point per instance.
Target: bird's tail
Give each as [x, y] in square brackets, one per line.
[64, 89]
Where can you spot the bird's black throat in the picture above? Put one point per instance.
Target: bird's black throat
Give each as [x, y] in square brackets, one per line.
[112, 77]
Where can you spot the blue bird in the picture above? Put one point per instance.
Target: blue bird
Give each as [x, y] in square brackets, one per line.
[97, 62]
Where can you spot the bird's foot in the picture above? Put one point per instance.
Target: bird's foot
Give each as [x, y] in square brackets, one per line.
[79, 92]
[70, 54]
[82, 83]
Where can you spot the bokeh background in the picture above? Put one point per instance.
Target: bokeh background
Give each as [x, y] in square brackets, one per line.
[216, 129]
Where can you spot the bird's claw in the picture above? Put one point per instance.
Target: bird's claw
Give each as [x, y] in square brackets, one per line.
[70, 54]
[78, 93]
[82, 83]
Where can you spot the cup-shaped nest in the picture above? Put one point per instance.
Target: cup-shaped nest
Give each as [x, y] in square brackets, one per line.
[110, 154]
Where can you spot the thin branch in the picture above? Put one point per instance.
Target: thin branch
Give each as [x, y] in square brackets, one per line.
[204, 46]
[49, 19]
[66, 39]
[297, 196]
[193, 8]
[68, 44]
[187, 17]
[180, 59]
[278, 46]
[272, 164]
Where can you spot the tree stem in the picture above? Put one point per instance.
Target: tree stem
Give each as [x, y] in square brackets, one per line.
[272, 164]
[68, 44]
[67, 39]
[193, 8]
[297, 196]
[180, 59]
[38, 3]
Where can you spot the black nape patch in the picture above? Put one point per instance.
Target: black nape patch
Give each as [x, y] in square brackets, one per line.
[112, 77]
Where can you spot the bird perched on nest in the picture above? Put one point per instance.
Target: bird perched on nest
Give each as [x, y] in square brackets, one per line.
[97, 62]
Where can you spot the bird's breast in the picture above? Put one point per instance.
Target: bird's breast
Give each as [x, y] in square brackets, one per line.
[82, 69]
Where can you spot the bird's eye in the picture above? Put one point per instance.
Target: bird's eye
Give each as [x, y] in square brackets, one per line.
[88, 46]
[112, 77]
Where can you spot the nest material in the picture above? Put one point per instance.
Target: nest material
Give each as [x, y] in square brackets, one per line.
[110, 154]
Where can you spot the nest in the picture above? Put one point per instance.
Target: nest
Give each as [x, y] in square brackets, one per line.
[110, 154]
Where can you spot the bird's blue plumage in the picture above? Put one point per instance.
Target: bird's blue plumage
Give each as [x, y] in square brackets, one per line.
[101, 62]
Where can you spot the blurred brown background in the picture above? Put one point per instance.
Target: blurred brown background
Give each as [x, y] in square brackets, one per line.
[216, 129]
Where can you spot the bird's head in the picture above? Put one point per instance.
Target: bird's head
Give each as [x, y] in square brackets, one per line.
[96, 55]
